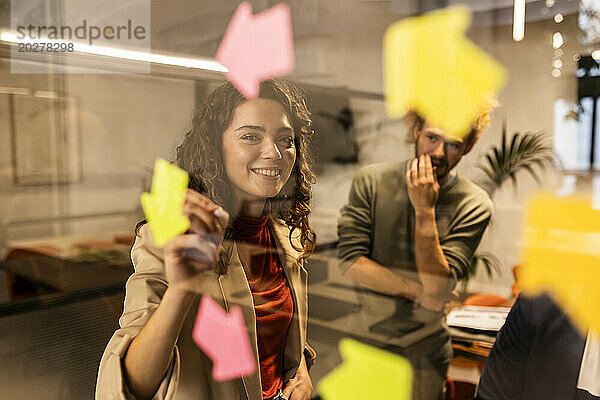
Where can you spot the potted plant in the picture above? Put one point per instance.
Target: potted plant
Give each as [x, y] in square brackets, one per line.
[529, 151]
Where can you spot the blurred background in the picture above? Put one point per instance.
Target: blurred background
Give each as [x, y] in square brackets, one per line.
[76, 151]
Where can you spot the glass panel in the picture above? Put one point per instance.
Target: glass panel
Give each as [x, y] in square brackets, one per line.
[565, 132]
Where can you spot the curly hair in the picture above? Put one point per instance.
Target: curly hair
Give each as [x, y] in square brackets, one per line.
[200, 154]
[482, 120]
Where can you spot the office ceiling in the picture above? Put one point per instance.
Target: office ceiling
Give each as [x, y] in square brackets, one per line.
[196, 27]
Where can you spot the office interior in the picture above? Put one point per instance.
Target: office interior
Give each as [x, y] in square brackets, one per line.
[78, 149]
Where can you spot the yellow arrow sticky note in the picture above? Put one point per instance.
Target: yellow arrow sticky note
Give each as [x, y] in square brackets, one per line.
[432, 68]
[561, 255]
[367, 373]
[164, 205]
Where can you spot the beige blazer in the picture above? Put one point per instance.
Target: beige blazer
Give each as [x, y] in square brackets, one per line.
[189, 376]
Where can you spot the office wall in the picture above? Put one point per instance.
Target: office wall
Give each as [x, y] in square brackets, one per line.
[527, 103]
[126, 121]
[52, 351]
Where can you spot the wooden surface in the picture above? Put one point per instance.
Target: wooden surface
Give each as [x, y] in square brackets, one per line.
[71, 262]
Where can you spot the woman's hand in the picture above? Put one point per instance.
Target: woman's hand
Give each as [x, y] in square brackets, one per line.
[300, 387]
[187, 255]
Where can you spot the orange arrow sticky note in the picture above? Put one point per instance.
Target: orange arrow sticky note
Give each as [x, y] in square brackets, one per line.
[561, 255]
[163, 207]
[431, 67]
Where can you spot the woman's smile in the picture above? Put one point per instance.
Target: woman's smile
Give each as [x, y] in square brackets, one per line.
[259, 150]
[268, 173]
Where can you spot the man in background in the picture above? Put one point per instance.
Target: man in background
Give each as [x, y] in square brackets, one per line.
[409, 231]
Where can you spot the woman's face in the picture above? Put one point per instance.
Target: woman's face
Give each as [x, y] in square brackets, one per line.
[258, 149]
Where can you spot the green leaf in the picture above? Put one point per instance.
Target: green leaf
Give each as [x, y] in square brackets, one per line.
[522, 151]
[514, 144]
[490, 263]
[532, 172]
[513, 177]
[489, 173]
[499, 156]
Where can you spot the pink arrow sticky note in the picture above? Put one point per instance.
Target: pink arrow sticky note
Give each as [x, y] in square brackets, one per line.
[257, 47]
[224, 338]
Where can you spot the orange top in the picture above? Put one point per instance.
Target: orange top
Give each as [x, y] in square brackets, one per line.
[273, 301]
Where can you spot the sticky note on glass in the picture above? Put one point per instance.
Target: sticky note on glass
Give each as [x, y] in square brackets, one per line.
[432, 68]
[257, 47]
[367, 373]
[224, 339]
[163, 206]
[561, 255]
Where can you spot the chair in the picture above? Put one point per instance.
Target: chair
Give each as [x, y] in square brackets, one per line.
[457, 390]
[516, 289]
[485, 299]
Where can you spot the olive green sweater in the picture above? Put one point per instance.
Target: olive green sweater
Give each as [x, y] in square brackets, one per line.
[378, 222]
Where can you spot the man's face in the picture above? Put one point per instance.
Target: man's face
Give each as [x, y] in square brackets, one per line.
[445, 152]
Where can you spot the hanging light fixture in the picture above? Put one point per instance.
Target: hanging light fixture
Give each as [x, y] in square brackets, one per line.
[519, 20]
[557, 40]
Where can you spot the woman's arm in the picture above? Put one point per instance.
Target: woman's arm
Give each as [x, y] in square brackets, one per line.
[150, 353]
[186, 258]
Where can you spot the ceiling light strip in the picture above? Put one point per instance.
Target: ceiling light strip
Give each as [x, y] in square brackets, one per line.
[198, 63]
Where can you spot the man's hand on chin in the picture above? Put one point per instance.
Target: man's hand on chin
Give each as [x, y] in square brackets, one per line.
[423, 187]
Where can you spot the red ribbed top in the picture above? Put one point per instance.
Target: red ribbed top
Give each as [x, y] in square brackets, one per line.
[273, 301]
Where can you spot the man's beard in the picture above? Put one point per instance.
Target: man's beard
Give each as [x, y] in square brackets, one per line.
[441, 168]
[441, 165]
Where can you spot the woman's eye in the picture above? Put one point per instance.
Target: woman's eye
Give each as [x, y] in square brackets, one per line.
[250, 137]
[288, 140]
[432, 138]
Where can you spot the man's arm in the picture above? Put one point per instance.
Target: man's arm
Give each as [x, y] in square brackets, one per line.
[375, 276]
[355, 231]
[432, 265]
[440, 262]
[423, 191]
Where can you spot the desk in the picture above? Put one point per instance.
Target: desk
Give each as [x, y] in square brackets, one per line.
[327, 286]
[470, 355]
[344, 318]
[60, 275]
[356, 323]
[474, 329]
[64, 264]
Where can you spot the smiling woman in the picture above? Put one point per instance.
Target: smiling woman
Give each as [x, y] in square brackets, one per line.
[258, 158]
[225, 129]
[248, 204]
